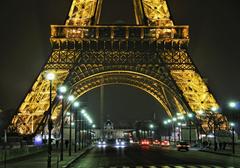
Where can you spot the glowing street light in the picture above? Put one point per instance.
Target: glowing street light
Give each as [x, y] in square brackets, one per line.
[76, 104]
[50, 77]
[232, 104]
[232, 124]
[62, 91]
[83, 111]
[71, 98]
[214, 109]
[190, 115]
[233, 138]
[181, 117]
[165, 122]
[151, 126]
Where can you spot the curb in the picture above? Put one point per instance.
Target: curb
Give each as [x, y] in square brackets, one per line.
[69, 163]
[225, 154]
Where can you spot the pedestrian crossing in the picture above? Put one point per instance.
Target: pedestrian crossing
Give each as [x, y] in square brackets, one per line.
[170, 166]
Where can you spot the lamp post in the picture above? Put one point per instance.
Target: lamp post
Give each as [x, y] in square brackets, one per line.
[50, 77]
[151, 126]
[165, 122]
[80, 131]
[76, 105]
[70, 99]
[180, 131]
[82, 126]
[62, 90]
[174, 129]
[92, 135]
[190, 116]
[169, 131]
[233, 139]
[232, 104]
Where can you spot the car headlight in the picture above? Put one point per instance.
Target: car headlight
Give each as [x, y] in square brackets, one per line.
[99, 143]
[122, 143]
[104, 142]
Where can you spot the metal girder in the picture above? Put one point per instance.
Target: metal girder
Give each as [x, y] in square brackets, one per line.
[81, 12]
[36, 103]
[157, 12]
[151, 56]
[194, 90]
[163, 93]
[197, 95]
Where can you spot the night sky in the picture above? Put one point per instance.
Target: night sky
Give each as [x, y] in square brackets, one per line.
[214, 44]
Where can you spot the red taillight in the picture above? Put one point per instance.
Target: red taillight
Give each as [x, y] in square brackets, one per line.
[165, 143]
[144, 142]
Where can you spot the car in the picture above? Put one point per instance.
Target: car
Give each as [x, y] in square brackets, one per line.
[156, 142]
[183, 145]
[165, 143]
[144, 142]
[101, 142]
[120, 142]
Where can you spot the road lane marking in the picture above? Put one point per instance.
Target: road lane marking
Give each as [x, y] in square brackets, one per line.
[191, 167]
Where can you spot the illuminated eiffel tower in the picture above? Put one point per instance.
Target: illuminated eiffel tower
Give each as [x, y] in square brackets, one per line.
[151, 55]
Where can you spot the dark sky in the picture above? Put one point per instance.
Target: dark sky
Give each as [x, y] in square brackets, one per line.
[214, 47]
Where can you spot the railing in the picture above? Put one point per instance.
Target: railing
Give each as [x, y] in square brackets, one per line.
[120, 32]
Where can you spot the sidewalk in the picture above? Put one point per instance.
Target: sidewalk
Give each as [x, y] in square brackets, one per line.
[39, 160]
[226, 152]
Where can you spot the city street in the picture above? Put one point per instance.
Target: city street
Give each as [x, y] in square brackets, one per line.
[137, 156]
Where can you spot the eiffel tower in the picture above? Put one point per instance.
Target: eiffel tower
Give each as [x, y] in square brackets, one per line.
[151, 55]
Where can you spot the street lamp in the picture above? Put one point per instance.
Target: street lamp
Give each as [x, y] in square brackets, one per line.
[232, 125]
[165, 122]
[92, 134]
[180, 130]
[214, 109]
[232, 104]
[169, 131]
[174, 119]
[83, 111]
[70, 99]
[190, 116]
[76, 104]
[62, 90]
[50, 76]
[151, 126]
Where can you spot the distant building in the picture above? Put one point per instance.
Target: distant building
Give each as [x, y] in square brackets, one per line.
[109, 132]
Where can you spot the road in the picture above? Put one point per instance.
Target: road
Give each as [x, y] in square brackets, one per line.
[152, 157]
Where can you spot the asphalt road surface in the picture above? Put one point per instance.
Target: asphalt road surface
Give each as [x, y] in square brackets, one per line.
[152, 157]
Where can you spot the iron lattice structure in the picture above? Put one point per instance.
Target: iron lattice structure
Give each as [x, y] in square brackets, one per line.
[151, 55]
